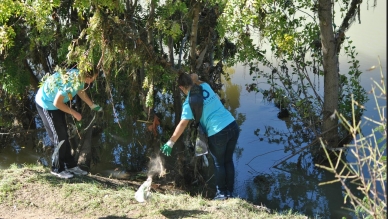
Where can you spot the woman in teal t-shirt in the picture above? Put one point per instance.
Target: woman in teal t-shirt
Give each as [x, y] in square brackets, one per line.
[51, 98]
[222, 131]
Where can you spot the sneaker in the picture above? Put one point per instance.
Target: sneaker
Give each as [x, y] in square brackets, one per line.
[63, 175]
[77, 171]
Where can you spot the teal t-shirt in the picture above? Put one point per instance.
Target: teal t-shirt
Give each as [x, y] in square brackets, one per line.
[215, 116]
[67, 85]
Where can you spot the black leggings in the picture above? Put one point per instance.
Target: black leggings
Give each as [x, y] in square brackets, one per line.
[55, 123]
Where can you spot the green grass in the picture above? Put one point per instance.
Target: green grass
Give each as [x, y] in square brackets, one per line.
[34, 190]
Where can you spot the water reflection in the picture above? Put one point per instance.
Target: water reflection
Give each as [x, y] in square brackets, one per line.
[270, 169]
[263, 138]
[18, 152]
[299, 191]
[122, 148]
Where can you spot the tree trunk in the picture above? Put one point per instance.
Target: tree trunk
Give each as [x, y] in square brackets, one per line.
[34, 82]
[84, 155]
[150, 23]
[193, 37]
[179, 145]
[330, 68]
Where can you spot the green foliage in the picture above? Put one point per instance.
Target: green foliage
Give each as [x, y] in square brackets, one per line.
[165, 24]
[93, 34]
[15, 83]
[7, 34]
[13, 80]
[285, 43]
[9, 8]
[86, 5]
[293, 35]
[25, 25]
[351, 86]
[170, 8]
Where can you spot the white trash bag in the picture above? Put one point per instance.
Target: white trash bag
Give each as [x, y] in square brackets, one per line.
[144, 191]
[201, 142]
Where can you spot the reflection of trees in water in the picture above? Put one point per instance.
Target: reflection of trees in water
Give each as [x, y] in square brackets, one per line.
[119, 141]
[295, 185]
[297, 189]
[231, 95]
[298, 139]
[128, 146]
[124, 142]
[17, 116]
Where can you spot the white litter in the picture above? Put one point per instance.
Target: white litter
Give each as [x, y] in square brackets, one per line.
[144, 191]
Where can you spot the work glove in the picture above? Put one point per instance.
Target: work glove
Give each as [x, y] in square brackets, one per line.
[167, 148]
[96, 107]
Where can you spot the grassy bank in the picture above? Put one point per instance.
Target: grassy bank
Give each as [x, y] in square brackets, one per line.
[32, 192]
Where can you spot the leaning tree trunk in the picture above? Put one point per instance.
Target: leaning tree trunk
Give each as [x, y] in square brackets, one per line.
[330, 68]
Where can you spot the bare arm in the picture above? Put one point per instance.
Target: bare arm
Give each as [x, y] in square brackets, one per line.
[58, 103]
[179, 129]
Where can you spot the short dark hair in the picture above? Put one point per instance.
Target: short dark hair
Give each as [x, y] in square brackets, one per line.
[185, 80]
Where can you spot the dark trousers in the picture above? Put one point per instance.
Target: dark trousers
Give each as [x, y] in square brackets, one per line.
[55, 124]
[221, 147]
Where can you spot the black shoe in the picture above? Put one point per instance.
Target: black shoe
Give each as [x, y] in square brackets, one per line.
[220, 196]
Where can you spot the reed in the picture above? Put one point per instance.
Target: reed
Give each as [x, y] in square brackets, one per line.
[369, 169]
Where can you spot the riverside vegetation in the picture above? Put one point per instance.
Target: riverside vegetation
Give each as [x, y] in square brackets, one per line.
[30, 191]
[369, 168]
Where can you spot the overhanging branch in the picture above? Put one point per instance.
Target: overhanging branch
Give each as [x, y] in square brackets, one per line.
[354, 9]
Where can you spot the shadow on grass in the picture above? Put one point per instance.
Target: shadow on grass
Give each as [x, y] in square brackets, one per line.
[172, 214]
[159, 186]
[92, 179]
[114, 217]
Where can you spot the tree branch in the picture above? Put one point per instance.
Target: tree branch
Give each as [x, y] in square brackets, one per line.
[348, 20]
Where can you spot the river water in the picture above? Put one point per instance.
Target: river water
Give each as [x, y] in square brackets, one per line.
[282, 188]
[297, 188]
[290, 188]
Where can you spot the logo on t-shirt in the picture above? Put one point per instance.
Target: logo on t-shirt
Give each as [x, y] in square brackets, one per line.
[205, 94]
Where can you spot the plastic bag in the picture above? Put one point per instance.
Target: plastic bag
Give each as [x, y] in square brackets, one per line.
[144, 191]
[201, 142]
